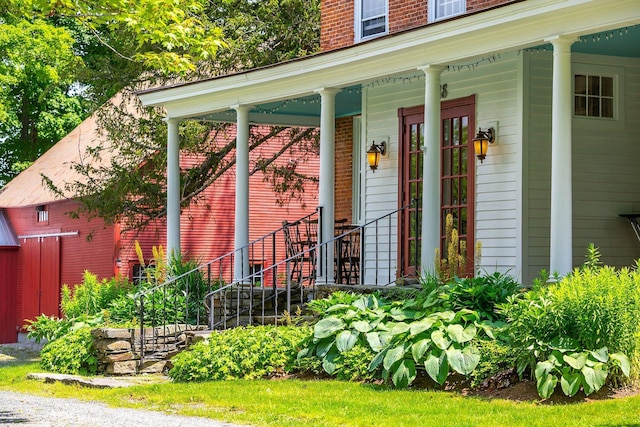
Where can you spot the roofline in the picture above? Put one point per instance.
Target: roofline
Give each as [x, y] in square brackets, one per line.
[326, 52]
[512, 26]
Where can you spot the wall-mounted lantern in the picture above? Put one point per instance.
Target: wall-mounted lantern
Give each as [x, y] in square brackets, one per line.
[374, 153]
[482, 140]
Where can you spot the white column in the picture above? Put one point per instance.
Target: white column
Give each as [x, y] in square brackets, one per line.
[241, 262]
[431, 169]
[561, 237]
[173, 187]
[326, 196]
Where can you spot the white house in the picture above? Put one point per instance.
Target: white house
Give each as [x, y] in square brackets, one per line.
[558, 82]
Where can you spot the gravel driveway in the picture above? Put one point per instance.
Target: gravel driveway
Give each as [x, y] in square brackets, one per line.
[35, 411]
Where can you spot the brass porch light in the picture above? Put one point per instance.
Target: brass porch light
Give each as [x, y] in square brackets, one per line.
[374, 153]
[481, 142]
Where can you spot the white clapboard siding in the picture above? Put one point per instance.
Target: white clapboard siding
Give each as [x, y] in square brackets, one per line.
[605, 169]
[496, 86]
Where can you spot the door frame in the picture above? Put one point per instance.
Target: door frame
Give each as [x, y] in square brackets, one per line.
[452, 106]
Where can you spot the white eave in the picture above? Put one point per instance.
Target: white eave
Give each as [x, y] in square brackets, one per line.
[507, 28]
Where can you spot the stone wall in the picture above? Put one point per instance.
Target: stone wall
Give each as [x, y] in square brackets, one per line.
[118, 350]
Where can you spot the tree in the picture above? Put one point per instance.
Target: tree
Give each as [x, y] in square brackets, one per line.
[255, 33]
[125, 44]
[37, 105]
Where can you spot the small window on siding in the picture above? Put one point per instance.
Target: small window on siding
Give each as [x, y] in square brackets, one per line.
[371, 18]
[594, 96]
[43, 213]
[442, 9]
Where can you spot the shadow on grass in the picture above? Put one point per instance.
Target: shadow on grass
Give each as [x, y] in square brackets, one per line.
[9, 417]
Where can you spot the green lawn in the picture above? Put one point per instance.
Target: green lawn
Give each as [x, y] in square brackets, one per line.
[333, 403]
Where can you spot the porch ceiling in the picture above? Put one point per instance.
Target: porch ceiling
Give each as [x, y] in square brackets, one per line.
[286, 93]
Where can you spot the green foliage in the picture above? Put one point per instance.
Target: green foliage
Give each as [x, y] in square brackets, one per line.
[495, 357]
[595, 307]
[592, 307]
[36, 107]
[403, 335]
[482, 293]
[251, 352]
[166, 34]
[586, 370]
[47, 328]
[70, 354]
[92, 297]
[179, 301]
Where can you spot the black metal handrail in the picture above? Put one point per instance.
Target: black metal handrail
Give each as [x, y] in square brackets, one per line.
[230, 312]
[173, 302]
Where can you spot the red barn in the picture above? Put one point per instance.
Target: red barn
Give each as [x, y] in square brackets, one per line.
[42, 247]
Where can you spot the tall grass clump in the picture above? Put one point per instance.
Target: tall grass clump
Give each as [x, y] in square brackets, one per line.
[581, 330]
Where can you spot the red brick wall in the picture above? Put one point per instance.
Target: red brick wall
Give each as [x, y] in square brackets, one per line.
[344, 177]
[336, 23]
[337, 26]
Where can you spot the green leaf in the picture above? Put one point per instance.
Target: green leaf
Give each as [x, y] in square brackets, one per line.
[399, 328]
[373, 338]
[461, 335]
[362, 326]
[576, 360]
[437, 367]
[570, 382]
[393, 355]
[421, 325]
[329, 362]
[361, 303]
[546, 384]
[543, 368]
[622, 361]
[323, 347]
[377, 360]
[439, 339]
[601, 355]
[466, 315]
[594, 378]
[465, 361]
[404, 374]
[346, 340]
[418, 349]
[327, 327]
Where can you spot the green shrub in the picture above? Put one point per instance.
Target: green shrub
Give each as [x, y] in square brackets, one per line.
[251, 352]
[178, 302]
[495, 357]
[404, 336]
[92, 296]
[72, 353]
[47, 328]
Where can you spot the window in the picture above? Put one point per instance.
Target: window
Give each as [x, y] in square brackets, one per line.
[43, 213]
[597, 95]
[593, 96]
[442, 9]
[371, 18]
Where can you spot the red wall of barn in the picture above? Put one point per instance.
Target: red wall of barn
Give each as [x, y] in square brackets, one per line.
[207, 227]
[93, 249]
[8, 287]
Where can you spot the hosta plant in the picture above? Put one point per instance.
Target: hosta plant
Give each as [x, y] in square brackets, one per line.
[575, 370]
[404, 337]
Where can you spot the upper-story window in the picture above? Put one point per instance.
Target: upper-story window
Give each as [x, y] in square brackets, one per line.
[371, 18]
[442, 9]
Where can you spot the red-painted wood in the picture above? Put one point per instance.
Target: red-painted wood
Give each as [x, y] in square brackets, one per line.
[50, 276]
[30, 303]
[8, 285]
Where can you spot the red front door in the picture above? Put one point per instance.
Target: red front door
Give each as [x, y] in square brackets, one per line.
[457, 166]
